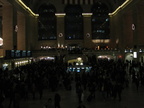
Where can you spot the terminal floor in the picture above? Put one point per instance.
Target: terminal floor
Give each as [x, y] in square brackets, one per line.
[131, 98]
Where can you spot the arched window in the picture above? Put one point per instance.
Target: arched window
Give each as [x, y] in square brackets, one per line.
[73, 22]
[47, 22]
[100, 21]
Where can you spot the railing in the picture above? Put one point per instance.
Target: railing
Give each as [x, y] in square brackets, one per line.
[56, 52]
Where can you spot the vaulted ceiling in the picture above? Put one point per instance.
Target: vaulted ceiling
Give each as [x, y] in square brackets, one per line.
[35, 4]
[114, 6]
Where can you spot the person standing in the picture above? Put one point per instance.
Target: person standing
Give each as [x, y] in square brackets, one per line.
[57, 100]
[48, 104]
[80, 93]
[81, 106]
[2, 98]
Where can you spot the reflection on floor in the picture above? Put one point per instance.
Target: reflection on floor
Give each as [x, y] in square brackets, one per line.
[131, 98]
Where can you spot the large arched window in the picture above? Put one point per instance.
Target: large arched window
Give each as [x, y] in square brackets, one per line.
[73, 22]
[47, 22]
[100, 21]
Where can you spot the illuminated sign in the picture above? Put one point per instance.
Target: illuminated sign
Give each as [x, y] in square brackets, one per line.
[12, 52]
[18, 53]
[29, 54]
[24, 53]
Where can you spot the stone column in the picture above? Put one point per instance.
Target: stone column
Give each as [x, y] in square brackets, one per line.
[21, 35]
[127, 29]
[135, 32]
[31, 32]
[87, 32]
[119, 30]
[15, 28]
[113, 33]
[117, 33]
[9, 23]
[8, 28]
[135, 19]
[140, 26]
[60, 31]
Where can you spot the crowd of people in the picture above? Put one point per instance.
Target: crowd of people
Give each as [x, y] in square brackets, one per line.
[107, 76]
[33, 78]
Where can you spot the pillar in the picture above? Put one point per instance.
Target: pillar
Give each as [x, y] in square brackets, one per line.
[87, 30]
[31, 32]
[60, 31]
[15, 29]
[113, 37]
[9, 16]
[127, 29]
[21, 38]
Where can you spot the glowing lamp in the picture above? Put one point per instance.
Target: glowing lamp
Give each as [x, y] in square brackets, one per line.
[79, 58]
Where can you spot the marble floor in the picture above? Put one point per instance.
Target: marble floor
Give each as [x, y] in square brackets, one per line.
[131, 98]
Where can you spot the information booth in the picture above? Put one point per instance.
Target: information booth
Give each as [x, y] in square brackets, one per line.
[79, 68]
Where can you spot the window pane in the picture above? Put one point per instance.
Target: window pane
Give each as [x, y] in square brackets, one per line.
[100, 21]
[47, 23]
[73, 22]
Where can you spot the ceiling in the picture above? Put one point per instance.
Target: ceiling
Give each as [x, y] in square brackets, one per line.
[113, 5]
[35, 4]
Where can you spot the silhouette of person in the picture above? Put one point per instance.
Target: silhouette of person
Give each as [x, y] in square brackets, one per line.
[57, 100]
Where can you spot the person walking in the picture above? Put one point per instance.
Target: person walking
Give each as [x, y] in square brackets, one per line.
[81, 105]
[57, 100]
[49, 104]
[2, 98]
[80, 93]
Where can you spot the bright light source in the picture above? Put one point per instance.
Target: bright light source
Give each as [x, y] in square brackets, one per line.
[79, 59]
[140, 50]
[81, 63]
[135, 54]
